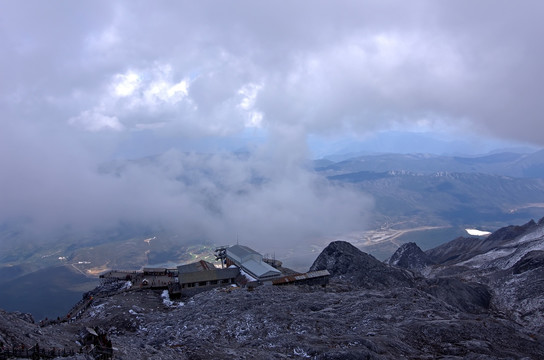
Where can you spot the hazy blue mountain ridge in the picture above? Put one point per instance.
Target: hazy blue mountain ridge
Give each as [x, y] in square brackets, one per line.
[507, 164]
[449, 198]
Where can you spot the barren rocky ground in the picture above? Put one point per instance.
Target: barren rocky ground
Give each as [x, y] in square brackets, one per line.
[369, 310]
[337, 322]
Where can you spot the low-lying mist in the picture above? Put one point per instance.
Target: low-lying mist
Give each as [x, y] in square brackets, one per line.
[268, 198]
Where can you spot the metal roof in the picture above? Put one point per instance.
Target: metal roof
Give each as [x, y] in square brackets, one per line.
[196, 266]
[155, 270]
[259, 269]
[208, 275]
[300, 277]
[242, 253]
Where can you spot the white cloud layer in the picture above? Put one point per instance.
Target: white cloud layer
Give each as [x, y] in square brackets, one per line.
[79, 89]
[354, 66]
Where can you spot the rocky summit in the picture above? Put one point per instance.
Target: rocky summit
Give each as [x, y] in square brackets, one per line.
[410, 256]
[347, 263]
[488, 306]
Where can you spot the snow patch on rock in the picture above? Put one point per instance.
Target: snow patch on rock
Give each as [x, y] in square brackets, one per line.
[537, 234]
[166, 300]
[127, 285]
[479, 260]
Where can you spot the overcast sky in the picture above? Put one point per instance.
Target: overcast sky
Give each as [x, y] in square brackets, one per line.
[85, 82]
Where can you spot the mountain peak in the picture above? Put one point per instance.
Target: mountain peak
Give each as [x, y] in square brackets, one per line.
[410, 256]
[345, 261]
[510, 232]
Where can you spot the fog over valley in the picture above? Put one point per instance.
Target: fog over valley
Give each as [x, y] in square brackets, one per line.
[280, 126]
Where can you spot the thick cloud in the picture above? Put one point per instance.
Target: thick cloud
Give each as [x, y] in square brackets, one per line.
[85, 82]
[347, 66]
[262, 197]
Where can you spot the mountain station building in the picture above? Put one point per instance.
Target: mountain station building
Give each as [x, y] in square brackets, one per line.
[250, 262]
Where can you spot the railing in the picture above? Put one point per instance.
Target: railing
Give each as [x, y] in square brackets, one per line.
[35, 353]
[72, 315]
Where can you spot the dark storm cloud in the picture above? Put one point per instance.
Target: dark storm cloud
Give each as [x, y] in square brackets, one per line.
[82, 80]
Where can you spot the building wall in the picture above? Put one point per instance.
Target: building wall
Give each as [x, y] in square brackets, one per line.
[190, 289]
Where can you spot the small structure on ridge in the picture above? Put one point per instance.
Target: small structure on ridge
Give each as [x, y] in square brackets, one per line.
[251, 262]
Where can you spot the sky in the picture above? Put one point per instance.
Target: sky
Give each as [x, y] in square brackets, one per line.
[87, 84]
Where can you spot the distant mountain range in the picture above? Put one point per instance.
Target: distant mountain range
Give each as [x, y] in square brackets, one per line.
[492, 190]
[408, 142]
[505, 164]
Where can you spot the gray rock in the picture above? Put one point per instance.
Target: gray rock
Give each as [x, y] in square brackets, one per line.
[463, 248]
[468, 297]
[532, 260]
[345, 261]
[410, 256]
